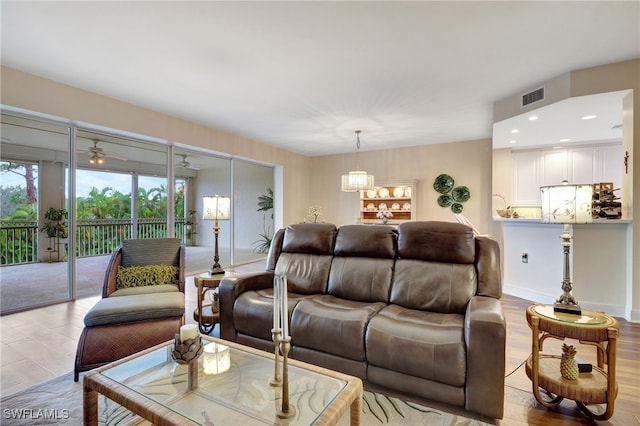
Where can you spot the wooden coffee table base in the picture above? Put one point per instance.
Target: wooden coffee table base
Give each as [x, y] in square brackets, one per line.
[347, 397]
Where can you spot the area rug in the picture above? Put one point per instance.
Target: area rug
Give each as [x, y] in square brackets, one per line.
[59, 402]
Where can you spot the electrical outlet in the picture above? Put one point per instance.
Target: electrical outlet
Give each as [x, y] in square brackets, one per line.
[525, 257]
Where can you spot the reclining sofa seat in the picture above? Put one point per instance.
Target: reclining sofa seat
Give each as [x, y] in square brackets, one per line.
[415, 309]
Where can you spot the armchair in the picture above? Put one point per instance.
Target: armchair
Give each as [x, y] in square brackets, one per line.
[140, 307]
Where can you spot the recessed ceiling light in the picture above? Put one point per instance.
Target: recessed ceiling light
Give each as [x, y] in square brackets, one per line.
[533, 118]
[515, 131]
[513, 141]
[565, 140]
[589, 117]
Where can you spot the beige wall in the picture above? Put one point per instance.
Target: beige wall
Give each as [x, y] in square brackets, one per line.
[36, 94]
[468, 162]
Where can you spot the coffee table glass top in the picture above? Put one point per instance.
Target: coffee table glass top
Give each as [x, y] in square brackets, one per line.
[240, 395]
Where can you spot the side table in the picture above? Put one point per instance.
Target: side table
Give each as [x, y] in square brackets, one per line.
[591, 328]
[207, 315]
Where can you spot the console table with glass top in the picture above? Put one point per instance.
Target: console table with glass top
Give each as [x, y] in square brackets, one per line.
[591, 328]
[153, 386]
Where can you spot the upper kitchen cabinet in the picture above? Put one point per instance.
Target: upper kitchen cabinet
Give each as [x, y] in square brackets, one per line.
[532, 169]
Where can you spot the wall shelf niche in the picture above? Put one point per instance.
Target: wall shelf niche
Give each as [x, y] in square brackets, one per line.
[396, 197]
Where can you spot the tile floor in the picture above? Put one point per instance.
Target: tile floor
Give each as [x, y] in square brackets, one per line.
[40, 344]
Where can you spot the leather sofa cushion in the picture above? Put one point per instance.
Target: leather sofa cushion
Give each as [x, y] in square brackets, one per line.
[418, 343]
[436, 241]
[433, 286]
[363, 279]
[253, 312]
[311, 238]
[133, 308]
[306, 273]
[332, 325]
[366, 241]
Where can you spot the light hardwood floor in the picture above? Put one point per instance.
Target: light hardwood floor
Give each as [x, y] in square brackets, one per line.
[40, 344]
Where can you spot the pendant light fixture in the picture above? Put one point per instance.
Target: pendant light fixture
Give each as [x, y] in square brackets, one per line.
[357, 180]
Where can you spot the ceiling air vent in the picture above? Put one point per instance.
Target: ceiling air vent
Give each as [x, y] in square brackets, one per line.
[531, 97]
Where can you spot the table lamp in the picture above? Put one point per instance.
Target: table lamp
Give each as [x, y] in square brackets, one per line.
[567, 204]
[216, 208]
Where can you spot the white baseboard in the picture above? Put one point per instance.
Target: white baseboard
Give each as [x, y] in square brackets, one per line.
[538, 297]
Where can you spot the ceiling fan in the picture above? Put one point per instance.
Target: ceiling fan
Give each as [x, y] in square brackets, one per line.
[97, 155]
[184, 163]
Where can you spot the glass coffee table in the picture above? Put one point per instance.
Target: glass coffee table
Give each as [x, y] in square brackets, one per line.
[153, 386]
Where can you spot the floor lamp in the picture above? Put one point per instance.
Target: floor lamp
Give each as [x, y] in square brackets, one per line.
[567, 204]
[216, 208]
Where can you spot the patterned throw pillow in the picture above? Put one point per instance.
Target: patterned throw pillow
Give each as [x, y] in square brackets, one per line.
[138, 276]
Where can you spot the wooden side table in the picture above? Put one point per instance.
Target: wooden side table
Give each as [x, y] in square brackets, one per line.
[590, 328]
[207, 315]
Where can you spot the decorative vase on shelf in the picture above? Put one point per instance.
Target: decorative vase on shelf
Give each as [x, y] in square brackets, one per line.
[568, 363]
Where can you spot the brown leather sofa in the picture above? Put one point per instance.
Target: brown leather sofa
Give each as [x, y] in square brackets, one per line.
[415, 309]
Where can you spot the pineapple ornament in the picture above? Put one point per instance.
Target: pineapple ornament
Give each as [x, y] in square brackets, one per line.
[568, 363]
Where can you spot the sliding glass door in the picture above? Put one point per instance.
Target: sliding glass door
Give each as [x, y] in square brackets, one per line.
[198, 175]
[34, 229]
[253, 210]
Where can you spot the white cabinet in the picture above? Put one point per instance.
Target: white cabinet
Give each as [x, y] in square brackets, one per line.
[610, 164]
[581, 164]
[553, 168]
[526, 187]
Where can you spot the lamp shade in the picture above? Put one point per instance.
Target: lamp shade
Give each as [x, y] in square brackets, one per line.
[216, 207]
[567, 203]
[357, 181]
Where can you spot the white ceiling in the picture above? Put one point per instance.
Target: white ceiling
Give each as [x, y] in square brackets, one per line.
[577, 120]
[305, 75]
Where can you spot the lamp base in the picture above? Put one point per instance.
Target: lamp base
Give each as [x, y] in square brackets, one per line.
[216, 270]
[567, 308]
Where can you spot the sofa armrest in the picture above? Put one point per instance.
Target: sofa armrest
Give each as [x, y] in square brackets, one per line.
[230, 288]
[485, 333]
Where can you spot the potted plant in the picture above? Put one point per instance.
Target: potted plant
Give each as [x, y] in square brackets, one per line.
[55, 225]
[190, 227]
[265, 204]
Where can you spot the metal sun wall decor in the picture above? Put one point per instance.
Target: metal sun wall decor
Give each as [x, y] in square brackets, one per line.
[451, 196]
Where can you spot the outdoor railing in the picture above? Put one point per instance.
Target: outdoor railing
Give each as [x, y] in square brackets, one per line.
[19, 239]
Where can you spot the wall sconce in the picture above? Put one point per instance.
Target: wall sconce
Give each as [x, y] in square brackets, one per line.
[216, 208]
[567, 204]
[216, 358]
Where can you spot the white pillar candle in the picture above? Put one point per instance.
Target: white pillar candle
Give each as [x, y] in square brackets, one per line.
[276, 302]
[188, 331]
[285, 309]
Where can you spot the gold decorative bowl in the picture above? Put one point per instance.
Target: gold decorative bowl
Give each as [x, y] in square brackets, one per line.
[504, 212]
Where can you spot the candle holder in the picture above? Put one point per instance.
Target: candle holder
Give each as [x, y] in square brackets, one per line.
[276, 380]
[286, 411]
[186, 353]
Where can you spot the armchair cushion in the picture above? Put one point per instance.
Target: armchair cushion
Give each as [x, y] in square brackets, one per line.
[138, 307]
[147, 289]
[139, 276]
